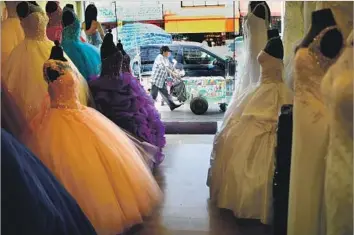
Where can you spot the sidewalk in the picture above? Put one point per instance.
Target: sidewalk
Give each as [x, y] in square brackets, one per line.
[184, 114]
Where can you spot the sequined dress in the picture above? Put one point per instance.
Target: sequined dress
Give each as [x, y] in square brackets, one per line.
[93, 158]
[23, 71]
[124, 101]
[242, 171]
[85, 56]
[310, 120]
[337, 89]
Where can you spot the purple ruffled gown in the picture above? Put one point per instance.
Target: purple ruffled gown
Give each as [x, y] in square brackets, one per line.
[124, 101]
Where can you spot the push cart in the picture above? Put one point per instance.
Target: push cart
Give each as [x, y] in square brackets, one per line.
[202, 91]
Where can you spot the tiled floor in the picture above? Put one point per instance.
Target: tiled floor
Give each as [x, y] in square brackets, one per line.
[186, 209]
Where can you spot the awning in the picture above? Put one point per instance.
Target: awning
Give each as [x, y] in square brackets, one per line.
[200, 24]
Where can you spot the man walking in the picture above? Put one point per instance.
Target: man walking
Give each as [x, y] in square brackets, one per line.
[160, 71]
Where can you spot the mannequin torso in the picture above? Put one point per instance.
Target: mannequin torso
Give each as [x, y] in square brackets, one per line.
[332, 41]
[275, 47]
[261, 12]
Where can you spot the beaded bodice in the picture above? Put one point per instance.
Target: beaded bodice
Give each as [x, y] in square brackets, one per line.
[64, 91]
[72, 31]
[271, 68]
[35, 25]
[310, 67]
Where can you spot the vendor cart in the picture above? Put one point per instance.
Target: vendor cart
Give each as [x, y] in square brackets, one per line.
[199, 92]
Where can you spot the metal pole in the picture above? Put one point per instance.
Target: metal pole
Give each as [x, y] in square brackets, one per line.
[115, 12]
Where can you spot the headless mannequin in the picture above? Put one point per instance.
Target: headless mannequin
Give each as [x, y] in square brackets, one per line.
[332, 41]
[71, 6]
[23, 9]
[275, 47]
[51, 7]
[68, 18]
[261, 12]
[56, 54]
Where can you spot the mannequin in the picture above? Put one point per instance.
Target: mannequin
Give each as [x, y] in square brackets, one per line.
[275, 48]
[332, 42]
[68, 18]
[23, 9]
[56, 54]
[51, 7]
[272, 33]
[70, 6]
[319, 50]
[260, 12]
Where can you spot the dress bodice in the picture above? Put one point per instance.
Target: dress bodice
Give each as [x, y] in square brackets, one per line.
[310, 67]
[72, 31]
[64, 91]
[35, 25]
[271, 68]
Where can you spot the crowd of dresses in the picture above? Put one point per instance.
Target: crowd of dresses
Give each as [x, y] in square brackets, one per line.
[311, 151]
[78, 167]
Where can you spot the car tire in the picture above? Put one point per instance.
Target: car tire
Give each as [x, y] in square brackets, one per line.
[199, 105]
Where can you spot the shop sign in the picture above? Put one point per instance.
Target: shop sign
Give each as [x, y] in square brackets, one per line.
[139, 11]
[106, 11]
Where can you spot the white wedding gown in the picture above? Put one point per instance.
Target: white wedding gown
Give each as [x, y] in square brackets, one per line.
[293, 33]
[242, 173]
[337, 89]
[310, 120]
[255, 39]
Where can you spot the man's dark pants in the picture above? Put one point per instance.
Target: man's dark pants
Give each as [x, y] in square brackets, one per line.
[164, 93]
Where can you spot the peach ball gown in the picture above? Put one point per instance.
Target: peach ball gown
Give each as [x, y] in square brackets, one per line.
[94, 159]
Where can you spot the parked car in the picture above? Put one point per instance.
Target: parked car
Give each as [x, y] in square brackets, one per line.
[195, 59]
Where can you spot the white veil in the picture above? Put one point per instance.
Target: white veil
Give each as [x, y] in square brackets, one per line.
[255, 39]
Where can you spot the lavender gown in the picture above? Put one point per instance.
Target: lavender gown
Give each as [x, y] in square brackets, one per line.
[124, 101]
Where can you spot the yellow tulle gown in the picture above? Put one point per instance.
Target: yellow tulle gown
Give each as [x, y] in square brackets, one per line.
[92, 157]
[22, 73]
[11, 32]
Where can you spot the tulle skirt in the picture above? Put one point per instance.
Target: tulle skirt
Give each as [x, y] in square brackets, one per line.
[98, 164]
[33, 201]
[243, 154]
[11, 35]
[85, 56]
[24, 78]
[131, 108]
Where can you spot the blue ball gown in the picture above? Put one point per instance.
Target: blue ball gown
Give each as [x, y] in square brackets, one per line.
[85, 56]
[32, 200]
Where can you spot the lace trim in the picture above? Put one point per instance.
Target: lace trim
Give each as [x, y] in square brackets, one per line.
[315, 49]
